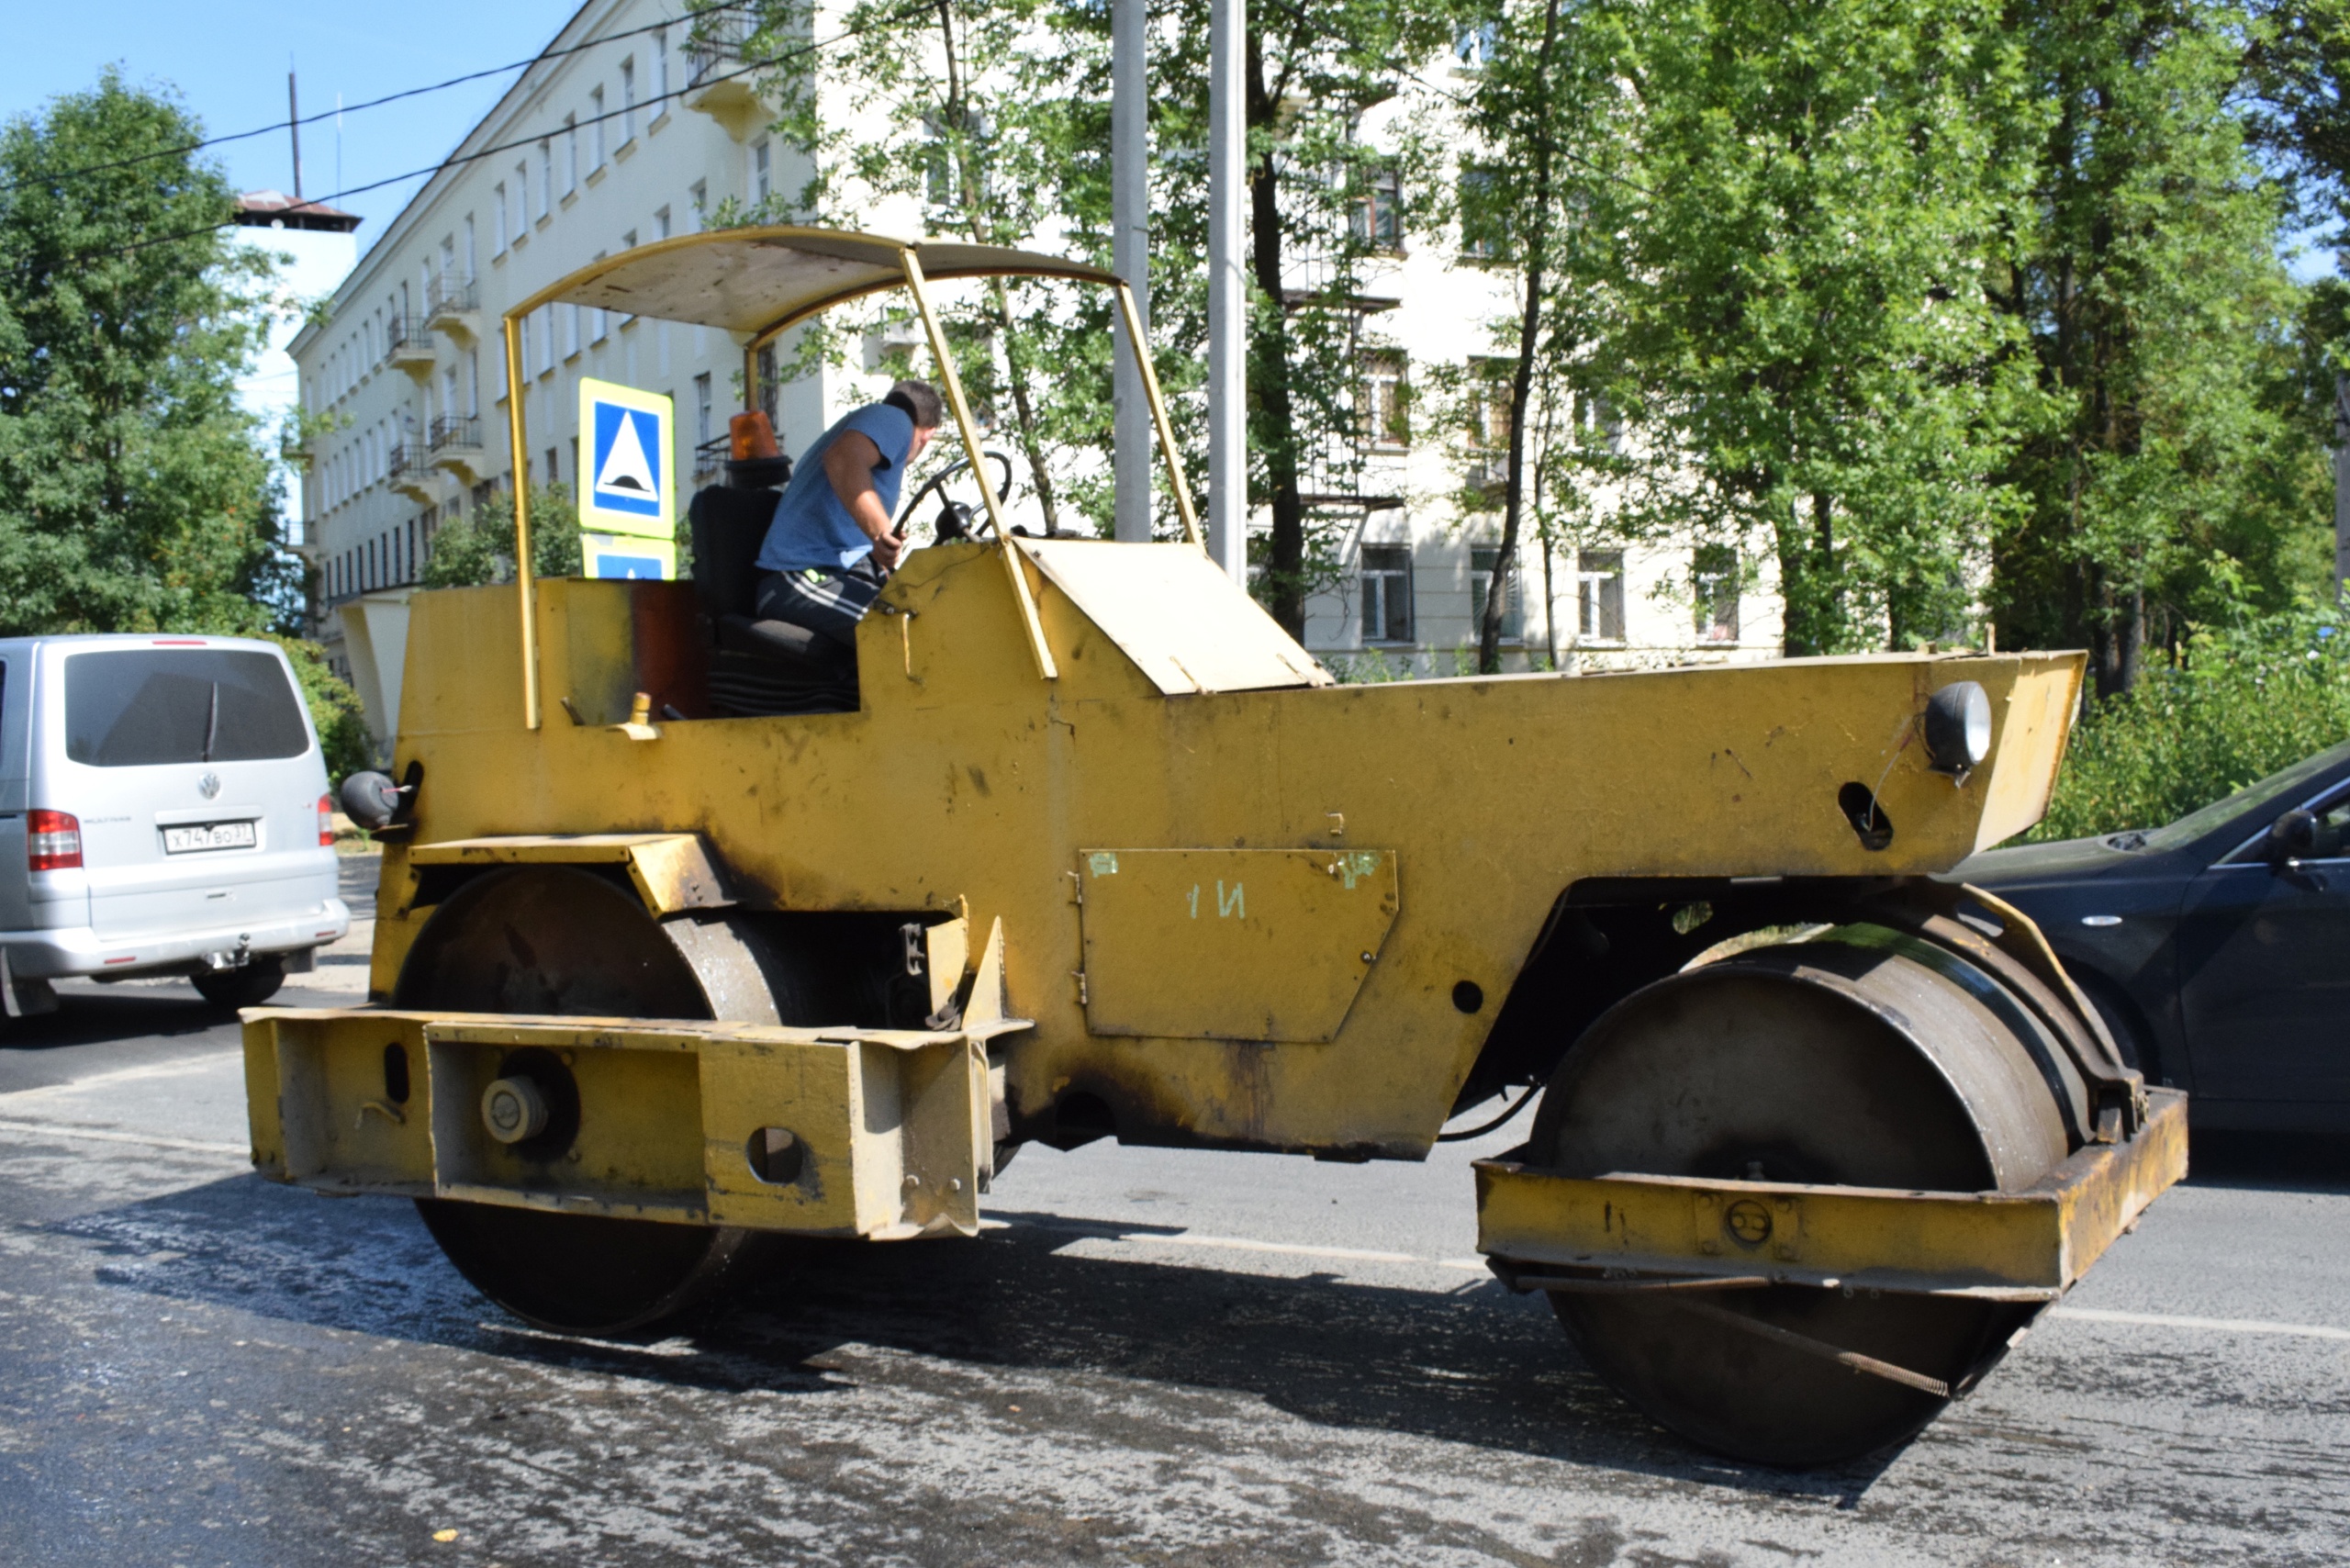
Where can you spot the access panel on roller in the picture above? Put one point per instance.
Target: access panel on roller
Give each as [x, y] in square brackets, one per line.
[1231, 944]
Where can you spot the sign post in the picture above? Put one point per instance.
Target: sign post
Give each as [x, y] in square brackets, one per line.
[627, 518]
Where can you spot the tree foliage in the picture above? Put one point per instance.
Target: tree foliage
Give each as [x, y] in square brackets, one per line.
[477, 547]
[135, 493]
[2173, 480]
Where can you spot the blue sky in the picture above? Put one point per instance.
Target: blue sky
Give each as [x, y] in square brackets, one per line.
[229, 60]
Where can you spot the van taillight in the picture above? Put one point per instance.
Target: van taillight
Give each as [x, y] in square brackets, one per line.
[53, 841]
[326, 822]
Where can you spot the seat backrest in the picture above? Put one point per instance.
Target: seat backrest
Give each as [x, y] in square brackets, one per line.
[728, 527]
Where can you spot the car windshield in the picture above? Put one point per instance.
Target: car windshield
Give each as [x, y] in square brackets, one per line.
[2220, 814]
[136, 706]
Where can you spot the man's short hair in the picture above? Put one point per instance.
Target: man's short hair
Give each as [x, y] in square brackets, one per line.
[920, 402]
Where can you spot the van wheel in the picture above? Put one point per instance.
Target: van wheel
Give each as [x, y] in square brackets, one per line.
[248, 987]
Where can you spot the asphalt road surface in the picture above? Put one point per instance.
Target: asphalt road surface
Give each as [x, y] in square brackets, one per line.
[1154, 1357]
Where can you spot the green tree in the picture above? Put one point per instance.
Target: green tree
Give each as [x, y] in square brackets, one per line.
[1813, 196]
[2177, 477]
[477, 547]
[134, 494]
[990, 117]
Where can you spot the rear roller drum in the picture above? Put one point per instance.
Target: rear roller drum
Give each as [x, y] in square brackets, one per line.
[1857, 1058]
[557, 940]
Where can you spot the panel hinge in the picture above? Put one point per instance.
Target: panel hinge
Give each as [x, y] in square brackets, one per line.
[1078, 975]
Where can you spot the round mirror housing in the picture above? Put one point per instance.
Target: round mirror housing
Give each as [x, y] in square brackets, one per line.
[1958, 728]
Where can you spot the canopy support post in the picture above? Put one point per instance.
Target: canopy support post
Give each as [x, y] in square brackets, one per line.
[919, 286]
[526, 590]
[1132, 317]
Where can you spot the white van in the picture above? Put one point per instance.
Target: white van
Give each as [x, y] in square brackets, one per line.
[163, 810]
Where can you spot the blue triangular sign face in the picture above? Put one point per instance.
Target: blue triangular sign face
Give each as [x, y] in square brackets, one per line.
[627, 477]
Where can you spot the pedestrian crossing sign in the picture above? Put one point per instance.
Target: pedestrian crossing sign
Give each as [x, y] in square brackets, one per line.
[627, 483]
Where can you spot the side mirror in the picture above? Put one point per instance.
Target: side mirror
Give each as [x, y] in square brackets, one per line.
[2291, 837]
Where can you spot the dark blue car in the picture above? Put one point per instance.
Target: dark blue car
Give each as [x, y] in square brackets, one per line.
[2218, 949]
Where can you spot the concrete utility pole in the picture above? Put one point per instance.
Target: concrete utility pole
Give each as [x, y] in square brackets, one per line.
[1130, 252]
[1228, 292]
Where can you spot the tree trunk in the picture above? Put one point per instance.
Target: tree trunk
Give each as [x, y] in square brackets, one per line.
[1521, 380]
[1274, 428]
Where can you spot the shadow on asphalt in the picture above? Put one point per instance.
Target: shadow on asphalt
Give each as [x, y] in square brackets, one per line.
[1475, 1366]
[2268, 1161]
[99, 1015]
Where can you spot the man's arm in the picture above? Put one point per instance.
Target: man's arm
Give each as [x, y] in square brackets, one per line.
[849, 463]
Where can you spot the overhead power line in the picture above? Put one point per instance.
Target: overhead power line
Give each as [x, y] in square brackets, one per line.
[49, 175]
[920, 7]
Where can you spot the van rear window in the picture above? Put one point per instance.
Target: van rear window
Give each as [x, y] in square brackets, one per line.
[136, 706]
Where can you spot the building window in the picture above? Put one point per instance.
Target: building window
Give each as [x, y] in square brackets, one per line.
[761, 172]
[546, 178]
[570, 153]
[628, 100]
[767, 388]
[1378, 215]
[570, 329]
[1383, 407]
[555, 468]
[497, 218]
[595, 129]
[660, 223]
[1387, 593]
[521, 199]
[525, 358]
[698, 197]
[1488, 412]
[701, 408]
[1599, 596]
[1484, 226]
[1713, 581]
[1482, 558]
[660, 72]
[628, 242]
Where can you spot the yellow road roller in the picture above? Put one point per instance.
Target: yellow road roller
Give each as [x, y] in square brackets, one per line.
[688, 936]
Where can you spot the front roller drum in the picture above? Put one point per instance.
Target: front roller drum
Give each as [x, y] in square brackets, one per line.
[1856, 1060]
[561, 940]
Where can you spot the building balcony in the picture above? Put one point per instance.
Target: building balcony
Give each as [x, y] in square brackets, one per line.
[456, 444]
[408, 346]
[710, 460]
[410, 470]
[716, 83]
[454, 305]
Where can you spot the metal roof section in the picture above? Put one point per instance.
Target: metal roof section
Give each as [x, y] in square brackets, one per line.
[760, 280]
[275, 209]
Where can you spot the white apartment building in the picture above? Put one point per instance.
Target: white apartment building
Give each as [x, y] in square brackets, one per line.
[620, 136]
[623, 135]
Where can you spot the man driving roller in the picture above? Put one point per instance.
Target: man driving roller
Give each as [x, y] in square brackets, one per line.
[829, 547]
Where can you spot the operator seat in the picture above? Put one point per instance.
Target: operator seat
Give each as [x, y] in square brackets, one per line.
[758, 667]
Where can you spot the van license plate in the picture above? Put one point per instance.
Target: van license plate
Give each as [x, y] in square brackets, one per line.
[207, 835]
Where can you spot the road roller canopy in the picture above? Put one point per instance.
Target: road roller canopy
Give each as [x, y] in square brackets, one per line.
[758, 282]
[763, 281]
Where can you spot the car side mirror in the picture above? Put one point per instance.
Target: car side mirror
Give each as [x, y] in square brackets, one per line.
[2291, 837]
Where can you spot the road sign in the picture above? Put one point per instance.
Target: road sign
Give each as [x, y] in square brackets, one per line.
[627, 555]
[628, 484]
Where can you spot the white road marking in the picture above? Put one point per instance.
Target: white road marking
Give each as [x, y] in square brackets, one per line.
[100, 1135]
[2209, 1324]
[207, 1061]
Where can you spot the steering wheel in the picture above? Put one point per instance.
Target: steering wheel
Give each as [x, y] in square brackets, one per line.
[955, 518]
